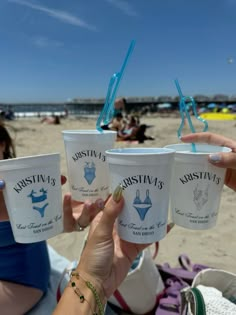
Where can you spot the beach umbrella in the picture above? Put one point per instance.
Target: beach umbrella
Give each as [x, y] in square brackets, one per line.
[211, 105]
[202, 110]
[225, 110]
[232, 107]
[164, 106]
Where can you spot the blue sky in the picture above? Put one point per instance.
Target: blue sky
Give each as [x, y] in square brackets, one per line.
[55, 50]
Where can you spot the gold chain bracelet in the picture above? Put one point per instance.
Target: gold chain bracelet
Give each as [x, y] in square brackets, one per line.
[81, 296]
[94, 291]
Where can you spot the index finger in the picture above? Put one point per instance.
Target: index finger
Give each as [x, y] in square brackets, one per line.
[210, 138]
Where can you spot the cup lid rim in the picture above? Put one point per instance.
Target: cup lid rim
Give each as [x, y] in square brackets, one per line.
[128, 151]
[87, 132]
[24, 158]
[175, 147]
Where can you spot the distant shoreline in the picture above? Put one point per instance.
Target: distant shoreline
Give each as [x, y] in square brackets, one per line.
[88, 107]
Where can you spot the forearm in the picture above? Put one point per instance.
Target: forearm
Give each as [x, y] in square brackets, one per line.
[78, 298]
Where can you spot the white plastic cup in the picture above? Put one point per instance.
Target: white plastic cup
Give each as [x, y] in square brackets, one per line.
[33, 196]
[86, 162]
[144, 174]
[196, 186]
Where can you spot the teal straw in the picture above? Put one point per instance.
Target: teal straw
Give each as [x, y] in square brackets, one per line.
[183, 108]
[107, 111]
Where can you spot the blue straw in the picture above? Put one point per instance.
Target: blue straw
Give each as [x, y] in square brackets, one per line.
[107, 111]
[184, 112]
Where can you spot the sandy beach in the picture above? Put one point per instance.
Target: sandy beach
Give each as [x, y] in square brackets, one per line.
[215, 247]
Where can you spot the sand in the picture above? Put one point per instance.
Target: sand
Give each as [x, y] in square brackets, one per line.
[215, 247]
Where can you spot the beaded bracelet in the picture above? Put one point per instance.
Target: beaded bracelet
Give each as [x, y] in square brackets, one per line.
[81, 296]
[93, 289]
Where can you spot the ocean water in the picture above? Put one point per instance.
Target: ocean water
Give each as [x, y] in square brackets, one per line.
[42, 110]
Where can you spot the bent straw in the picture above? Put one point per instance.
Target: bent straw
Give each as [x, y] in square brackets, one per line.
[183, 108]
[107, 111]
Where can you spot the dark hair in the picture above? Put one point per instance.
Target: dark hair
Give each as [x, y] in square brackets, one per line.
[133, 120]
[118, 115]
[7, 140]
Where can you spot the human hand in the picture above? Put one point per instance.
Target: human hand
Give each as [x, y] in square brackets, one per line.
[223, 160]
[78, 215]
[106, 259]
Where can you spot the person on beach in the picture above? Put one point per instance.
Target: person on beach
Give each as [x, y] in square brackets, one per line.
[133, 130]
[52, 120]
[25, 268]
[117, 123]
[119, 106]
[129, 131]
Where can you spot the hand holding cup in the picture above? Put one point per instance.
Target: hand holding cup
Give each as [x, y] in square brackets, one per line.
[219, 159]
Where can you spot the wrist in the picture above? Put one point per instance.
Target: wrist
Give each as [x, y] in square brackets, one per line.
[85, 302]
[75, 300]
[93, 288]
[80, 298]
[98, 284]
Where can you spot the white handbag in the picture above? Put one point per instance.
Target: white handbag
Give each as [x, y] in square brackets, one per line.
[213, 292]
[138, 292]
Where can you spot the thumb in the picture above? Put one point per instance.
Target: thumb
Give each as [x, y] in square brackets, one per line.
[110, 213]
[223, 160]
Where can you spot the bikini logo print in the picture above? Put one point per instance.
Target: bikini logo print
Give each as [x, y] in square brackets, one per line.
[142, 207]
[200, 197]
[89, 172]
[38, 198]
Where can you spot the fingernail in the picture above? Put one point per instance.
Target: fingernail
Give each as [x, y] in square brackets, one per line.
[67, 197]
[87, 204]
[117, 194]
[215, 158]
[2, 184]
[100, 204]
